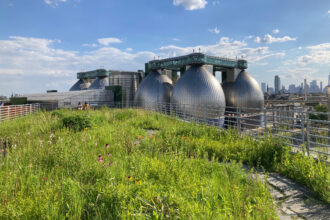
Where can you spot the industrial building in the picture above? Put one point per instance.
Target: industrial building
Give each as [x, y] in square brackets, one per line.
[197, 88]
[98, 87]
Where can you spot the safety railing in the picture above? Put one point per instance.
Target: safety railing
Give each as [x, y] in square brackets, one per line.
[305, 131]
[16, 111]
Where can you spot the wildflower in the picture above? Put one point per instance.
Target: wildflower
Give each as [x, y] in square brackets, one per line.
[138, 182]
[107, 146]
[85, 129]
[276, 144]
[110, 164]
[310, 176]
[95, 127]
[100, 158]
[130, 178]
[2, 150]
[186, 137]
[108, 154]
[44, 178]
[29, 133]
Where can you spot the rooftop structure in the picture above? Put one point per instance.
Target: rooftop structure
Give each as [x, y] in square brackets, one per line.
[176, 63]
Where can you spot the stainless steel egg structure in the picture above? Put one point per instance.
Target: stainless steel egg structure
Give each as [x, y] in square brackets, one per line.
[100, 83]
[154, 92]
[76, 86]
[244, 93]
[198, 94]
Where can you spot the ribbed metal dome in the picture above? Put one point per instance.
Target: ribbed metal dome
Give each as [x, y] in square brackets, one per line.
[198, 93]
[154, 90]
[244, 93]
[100, 83]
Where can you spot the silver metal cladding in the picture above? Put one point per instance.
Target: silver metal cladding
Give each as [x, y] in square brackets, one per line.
[198, 94]
[245, 93]
[76, 86]
[100, 83]
[154, 91]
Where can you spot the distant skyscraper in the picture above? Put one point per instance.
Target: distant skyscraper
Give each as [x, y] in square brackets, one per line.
[321, 86]
[263, 87]
[277, 84]
[329, 80]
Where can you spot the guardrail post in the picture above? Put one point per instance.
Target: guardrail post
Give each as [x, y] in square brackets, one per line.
[184, 111]
[239, 120]
[302, 125]
[204, 113]
[307, 133]
[328, 93]
[265, 120]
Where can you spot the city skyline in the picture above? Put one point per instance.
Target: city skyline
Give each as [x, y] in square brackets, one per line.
[313, 86]
[45, 49]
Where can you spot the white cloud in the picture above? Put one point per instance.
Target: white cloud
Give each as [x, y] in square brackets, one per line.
[276, 31]
[90, 45]
[54, 3]
[190, 4]
[214, 30]
[270, 39]
[109, 40]
[225, 47]
[38, 61]
[317, 54]
[176, 39]
[129, 49]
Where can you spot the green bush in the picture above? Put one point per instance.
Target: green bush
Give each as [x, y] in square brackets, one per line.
[322, 109]
[77, 122]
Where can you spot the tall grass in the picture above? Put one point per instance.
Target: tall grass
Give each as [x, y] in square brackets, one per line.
[55, 171]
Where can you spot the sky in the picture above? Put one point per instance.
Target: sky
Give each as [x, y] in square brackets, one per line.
[44, 43]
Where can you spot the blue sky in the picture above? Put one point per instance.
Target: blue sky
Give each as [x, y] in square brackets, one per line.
[44, 43]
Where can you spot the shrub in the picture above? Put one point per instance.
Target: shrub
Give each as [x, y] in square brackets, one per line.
[77, 122]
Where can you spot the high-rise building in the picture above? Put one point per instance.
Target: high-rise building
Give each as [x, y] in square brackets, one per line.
[277, 84]
[313, 87]
[263, 87]
[329, 80]
[321, 86]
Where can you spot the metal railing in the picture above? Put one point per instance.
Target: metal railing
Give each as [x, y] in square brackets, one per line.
[16, 111]
[303, 130]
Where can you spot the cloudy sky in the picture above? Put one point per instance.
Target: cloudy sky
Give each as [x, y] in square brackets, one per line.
[44, 43]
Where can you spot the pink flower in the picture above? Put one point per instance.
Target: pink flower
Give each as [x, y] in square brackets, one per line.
[100, 158]
[107, 146]
[108, 154]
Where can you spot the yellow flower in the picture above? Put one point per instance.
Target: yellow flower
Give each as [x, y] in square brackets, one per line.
[85, 129]
[130, 178]
[138, 182]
